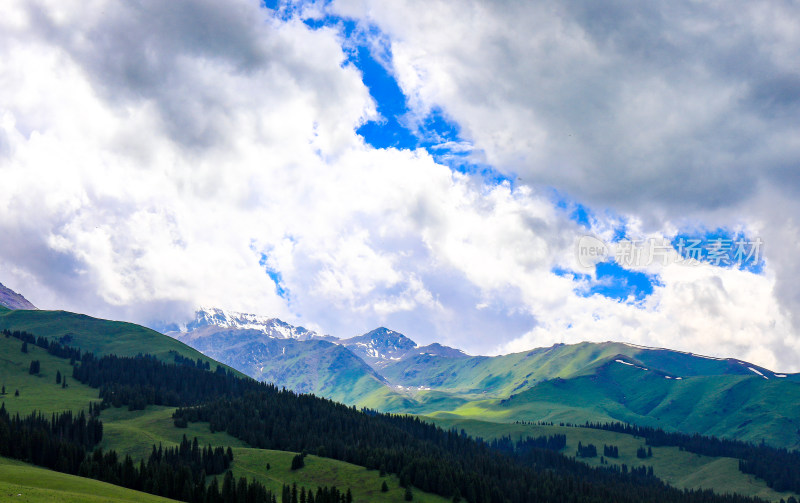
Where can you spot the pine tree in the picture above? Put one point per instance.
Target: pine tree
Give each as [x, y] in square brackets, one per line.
[58, 377]
[384, 487]
[16, 393]
[228, 487]
[409, 496]
[298, 461]
[25, 347]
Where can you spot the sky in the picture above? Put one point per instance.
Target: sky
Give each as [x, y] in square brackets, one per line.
[494, 176]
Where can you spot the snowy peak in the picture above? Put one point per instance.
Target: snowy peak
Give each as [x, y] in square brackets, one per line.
[12, 300]
[380, 346]
[271, 327]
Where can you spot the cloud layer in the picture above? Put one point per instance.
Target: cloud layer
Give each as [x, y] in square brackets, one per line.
[156, 156]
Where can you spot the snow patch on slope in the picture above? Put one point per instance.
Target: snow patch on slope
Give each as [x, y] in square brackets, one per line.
[759, 373]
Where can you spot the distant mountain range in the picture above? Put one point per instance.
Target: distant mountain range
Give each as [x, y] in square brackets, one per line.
[386, 370]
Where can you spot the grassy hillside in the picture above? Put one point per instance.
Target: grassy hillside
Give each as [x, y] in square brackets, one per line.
[679, 468]
[97, 335]
[733, 406]
[502, 376]
[365, 484]
[610, 382]
[25, 483]
[135, 432]
[39, 392]
[603, 393]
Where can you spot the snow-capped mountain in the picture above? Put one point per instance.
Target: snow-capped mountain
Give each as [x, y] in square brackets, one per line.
[380, 346]
[271, 327]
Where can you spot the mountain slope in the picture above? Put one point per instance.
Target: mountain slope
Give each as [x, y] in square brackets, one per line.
[97, 335]
[135, 433]
[379, 347]
[502, 376]
[304, 365]
[30, 483]
[682, 469]
[733, 406]
[385, 370]
[12, 300]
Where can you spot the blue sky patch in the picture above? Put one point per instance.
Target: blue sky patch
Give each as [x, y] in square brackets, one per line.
[566, 273]
[275, 276]
[613, 281]
[616, 282]
[369, 51]
[576, 211]
[721, 248]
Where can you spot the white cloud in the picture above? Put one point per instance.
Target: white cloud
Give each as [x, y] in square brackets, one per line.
[151, 153]
[671, 115]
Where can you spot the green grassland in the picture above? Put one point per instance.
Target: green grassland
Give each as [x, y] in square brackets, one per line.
[503, 376]
[740, 406]
[678, 468]
[98, 336]
[365, 484]
[38, 392]
[135, 432]
[733, 406]
[606, 394]
[26, 483]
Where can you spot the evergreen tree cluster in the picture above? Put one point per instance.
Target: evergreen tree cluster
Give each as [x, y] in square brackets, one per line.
[610, 451]
[291, 494]
[178, 473]
[52, 347]
[780, 468]
[643, 453]
[299, 461]
[425, 456]
[61, 443]
[550, 442]
[182, 360]
[142, 380]
[58, 442]
[586, 451]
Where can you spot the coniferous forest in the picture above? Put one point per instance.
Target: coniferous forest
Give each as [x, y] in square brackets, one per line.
[780, 468]
[424, 456]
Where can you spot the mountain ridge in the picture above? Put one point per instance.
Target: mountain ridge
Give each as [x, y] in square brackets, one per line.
[599, 382]
[13, 300]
